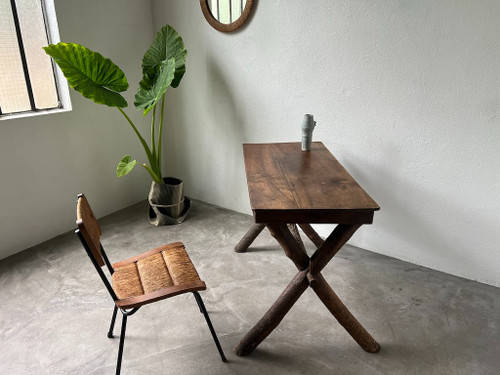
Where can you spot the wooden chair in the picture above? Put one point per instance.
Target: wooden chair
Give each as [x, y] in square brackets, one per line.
[160, 273]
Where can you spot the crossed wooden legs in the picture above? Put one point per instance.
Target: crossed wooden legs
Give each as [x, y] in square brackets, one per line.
[255, 230]
[309, 275]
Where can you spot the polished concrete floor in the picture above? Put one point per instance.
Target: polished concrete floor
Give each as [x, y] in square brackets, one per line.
[54, 310]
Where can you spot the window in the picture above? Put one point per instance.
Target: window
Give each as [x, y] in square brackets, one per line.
[29, 82]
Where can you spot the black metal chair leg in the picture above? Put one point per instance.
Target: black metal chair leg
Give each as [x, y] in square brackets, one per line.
[210, 326]
[122, 340]
[198, 302]
[112, 325]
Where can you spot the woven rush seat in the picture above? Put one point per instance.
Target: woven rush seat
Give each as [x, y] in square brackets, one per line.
[159, 273]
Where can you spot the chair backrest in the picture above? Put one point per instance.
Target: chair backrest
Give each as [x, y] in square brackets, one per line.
[89, 228]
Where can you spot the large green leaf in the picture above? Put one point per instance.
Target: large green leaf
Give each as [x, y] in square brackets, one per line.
[146, 99]
[125, 166]
[166, 44]
[88, 72]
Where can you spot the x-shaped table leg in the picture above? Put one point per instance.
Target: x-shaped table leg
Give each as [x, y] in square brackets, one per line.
[255, 230]
[309, 275]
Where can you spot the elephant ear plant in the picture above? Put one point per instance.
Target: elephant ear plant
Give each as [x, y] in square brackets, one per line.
[97, 78]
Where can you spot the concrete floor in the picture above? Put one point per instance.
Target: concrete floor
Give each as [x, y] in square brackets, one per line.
[54, 310]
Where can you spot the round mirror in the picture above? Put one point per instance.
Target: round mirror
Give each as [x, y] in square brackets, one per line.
[226, 15]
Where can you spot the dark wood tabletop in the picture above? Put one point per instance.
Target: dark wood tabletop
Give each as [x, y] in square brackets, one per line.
[288, 185]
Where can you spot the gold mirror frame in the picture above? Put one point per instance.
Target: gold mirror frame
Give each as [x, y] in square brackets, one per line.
[226, 28]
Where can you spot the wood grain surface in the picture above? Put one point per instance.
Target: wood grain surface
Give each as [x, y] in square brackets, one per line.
[288, 185]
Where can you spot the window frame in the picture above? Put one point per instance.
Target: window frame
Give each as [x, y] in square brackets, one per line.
[52, 28]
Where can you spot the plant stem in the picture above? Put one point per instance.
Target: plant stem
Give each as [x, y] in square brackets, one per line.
[153, 174]
[160, 131]
[153, 147]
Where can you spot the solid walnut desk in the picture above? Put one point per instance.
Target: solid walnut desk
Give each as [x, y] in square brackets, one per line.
[288, 186]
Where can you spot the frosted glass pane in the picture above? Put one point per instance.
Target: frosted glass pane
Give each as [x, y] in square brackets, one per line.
[225, 11]
[214, 8]
[13, 92]
[235, 10]
[34, 37]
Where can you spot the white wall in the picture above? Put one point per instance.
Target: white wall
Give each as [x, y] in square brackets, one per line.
[405, 94]
[47, 160]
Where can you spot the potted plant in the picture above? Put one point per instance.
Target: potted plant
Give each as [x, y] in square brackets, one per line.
[99, 79]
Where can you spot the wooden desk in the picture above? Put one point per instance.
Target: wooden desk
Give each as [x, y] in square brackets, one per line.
[288, 186]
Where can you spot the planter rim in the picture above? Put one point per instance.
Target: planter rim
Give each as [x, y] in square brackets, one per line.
[170, 181]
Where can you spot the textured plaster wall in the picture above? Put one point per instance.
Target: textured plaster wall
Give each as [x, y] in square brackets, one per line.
[47, 160]
[405, 94]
